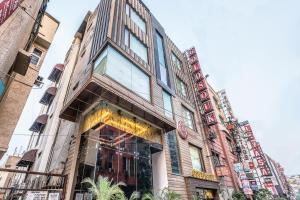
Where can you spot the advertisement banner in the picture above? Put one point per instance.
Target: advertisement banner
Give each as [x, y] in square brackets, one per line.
[7, 7]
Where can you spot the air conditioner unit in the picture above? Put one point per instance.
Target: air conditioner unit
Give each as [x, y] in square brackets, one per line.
[39, 81]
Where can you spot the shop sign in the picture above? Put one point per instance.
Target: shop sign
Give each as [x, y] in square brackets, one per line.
[203, 175]
[257, 150]
[35, 195]
[243, 176]
[201, 86]
[7, 7]
[253, 185]
[182, 130]
[110, 116]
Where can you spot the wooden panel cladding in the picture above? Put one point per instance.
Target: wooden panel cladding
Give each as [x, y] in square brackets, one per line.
[119, 21]
[183, 74]
[101, 28]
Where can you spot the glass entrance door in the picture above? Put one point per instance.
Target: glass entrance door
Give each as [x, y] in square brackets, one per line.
[115, 154]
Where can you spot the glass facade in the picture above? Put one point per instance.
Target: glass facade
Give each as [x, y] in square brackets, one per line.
[117, 155]
[168, 109]
[136, 45]
[174, 152]
[197, 159]
[135, 17]
[164, 77]
[120, 69]
[188, 118]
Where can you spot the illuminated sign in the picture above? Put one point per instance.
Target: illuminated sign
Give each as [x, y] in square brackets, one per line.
[201, 87]
[203, 175]
[111, 117]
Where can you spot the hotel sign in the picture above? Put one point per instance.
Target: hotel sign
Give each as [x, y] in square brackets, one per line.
[110, 116]
[203, 175]
[201, 87]
[7, 7]
[258, 153]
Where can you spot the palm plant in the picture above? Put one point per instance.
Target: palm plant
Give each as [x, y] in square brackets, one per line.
[168, 194]
[104, 189]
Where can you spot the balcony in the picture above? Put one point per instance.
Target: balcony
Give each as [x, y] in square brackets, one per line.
[56, 72]
[28, 158]
[48, 96]
[39, 123]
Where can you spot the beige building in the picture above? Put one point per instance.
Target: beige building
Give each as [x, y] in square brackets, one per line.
[7, 178]
[25, 38]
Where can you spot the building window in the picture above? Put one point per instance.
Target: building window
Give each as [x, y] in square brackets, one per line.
[174, 153]
[216, 159]
[197, 159]
[164, 77]
[120, 69]
[188, 118]
[168, 109]
[176, 62]
[136, 45]
[181, 87]
[136, 18]
[35, 56]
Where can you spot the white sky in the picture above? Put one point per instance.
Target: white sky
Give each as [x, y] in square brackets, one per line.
[251, 48]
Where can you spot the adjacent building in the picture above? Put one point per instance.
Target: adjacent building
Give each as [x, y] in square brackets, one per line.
[26, 32]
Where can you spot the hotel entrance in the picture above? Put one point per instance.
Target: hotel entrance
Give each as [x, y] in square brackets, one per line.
[116, 145]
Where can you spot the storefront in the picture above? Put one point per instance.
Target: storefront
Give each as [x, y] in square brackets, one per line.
[117, 145]
[202, 185]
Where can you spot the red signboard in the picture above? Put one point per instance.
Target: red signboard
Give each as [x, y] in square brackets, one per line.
[207, 106]
[7, 7]
[257, 150]
[204, 95]
[211, 118]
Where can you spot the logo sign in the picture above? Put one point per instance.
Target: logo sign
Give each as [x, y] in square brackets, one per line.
[7, 7]
[182, 130]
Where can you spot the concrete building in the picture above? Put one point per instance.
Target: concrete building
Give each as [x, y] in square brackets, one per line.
[7, 178]
[25, 37]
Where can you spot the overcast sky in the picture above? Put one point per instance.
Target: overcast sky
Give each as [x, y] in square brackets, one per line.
[251, 48]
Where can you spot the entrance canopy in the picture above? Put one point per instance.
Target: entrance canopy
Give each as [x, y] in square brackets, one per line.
[28, 158]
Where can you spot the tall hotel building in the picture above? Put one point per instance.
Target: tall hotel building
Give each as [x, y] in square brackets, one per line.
[128, 112]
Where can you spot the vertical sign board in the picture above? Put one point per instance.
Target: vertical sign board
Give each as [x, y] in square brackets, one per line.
[7, 7]
[258, 153]
[201, 87]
